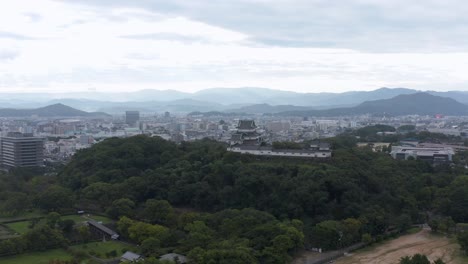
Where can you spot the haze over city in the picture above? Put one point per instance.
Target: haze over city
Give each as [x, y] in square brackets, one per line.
[299, 45]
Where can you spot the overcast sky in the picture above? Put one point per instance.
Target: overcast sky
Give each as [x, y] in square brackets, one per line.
[189, 45]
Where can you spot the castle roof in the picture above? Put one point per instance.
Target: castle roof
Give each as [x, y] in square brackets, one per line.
[246, 124]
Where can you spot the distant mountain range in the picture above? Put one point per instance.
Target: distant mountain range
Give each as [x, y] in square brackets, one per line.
[247, 99]
[55, 110]
[405, 104]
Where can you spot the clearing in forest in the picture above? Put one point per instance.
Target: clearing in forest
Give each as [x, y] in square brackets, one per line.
[423, 242]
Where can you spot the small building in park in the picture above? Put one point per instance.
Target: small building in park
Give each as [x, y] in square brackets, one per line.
[130, 257]
[102, 230]
[177, 258]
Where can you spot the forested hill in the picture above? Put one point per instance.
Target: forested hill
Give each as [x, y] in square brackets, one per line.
[406, 104]
[371, 190]
[55, 110]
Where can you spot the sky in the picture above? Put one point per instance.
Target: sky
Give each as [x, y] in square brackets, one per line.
[190, 45]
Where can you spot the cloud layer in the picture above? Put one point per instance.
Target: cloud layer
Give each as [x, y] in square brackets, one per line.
[299, 45]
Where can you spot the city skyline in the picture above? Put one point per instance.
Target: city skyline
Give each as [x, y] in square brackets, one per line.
[301, 46]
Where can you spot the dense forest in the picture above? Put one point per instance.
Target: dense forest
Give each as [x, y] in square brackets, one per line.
[197, 199]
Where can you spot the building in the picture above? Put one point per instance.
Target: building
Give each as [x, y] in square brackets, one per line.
[101, 230]
[435, 155]
[269, 151]
[130, 257]
[246, 134]
[177, 258]
[132, 118]
[246, 140]
[21, 150]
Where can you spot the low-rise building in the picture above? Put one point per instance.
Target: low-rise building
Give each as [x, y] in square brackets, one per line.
[102, 230]
[130, 257]
[177, 258]
[435, 155]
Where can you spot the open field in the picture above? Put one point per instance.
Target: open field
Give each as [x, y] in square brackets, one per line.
[390, 252]
[36, 257]
[24, 216]
[101, 248]
[19, 227]
[22, 227]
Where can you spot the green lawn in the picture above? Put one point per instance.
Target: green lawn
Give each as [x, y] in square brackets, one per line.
[36, 257]
[27, 215]
[79, 218]
[101, 248]
[104, 219]
[19, 227]
[23, 226]
[76, 218]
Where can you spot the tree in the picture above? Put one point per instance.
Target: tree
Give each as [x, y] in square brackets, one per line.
[463, 241]
[199, 235]
[366, 238]
[15, 203]
[66, 225]
[140, 231]
[123, 225]
[52, 219]
[403, 222]
[159, 211]
[121, 207]
[150, 246]
[43, 238]
[419, 259]
[55, 198]
[84, 233]
[327, 235]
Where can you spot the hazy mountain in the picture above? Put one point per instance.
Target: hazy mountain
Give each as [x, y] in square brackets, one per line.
[254, 95]
[222, 96]
[55, 110]
[407, 104]
[215, 99]
[460, 96]
[266, 108]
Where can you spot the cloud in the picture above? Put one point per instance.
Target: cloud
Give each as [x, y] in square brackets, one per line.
[10, 35]
[8, 55]
[365, 25]
[299, 45]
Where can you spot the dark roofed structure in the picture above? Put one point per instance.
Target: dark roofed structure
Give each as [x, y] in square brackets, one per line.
[246, 134]
[246, 125]
[130, 256]
[178, 258]
[102, 229]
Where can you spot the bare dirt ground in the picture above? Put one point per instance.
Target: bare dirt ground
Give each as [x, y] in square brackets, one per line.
[423, 242]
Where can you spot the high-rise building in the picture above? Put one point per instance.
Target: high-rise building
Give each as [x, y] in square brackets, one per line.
[132, 117]
[21, 150]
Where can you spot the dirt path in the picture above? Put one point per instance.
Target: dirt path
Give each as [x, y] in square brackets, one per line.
[390, 252]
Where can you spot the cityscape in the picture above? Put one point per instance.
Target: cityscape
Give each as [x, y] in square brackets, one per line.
[233, 132]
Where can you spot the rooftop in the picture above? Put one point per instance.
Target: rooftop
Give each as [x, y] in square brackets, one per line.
[102, 227]
[174, 256]
[130, 256]
[246, 124]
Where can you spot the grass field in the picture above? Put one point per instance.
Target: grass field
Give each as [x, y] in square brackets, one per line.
[23, 226]
[103, 219]
[36, 257]
[19, 227]
[24, 216]
[101, 248]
